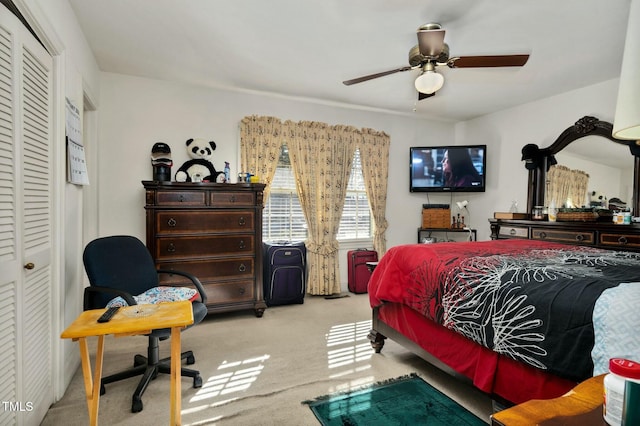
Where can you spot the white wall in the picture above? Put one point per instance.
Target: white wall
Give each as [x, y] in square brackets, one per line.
[138, 112]
[506, 132]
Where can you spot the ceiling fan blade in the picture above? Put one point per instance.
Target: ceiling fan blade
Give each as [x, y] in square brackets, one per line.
[488, 61]
[430, 42]
[422, 96]
[372, 76]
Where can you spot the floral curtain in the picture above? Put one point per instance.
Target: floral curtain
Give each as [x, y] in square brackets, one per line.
[260, 142]
[578, 188]
[321, 157]
[374, 155]
[566, 187]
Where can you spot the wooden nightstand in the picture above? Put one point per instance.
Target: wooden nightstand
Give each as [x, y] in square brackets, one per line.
[580, 406]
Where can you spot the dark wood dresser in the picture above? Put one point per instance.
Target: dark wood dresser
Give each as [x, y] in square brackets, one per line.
[596, 234]
[213, 231]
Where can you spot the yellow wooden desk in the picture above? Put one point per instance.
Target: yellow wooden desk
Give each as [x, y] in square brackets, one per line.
[580, 407]
[129, 321]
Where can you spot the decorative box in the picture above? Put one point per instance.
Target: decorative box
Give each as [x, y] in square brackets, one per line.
[436, 216]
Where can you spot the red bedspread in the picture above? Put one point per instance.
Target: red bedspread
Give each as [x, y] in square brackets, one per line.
[531, 301]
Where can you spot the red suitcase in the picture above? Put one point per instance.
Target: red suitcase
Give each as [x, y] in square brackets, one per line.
[359, 273]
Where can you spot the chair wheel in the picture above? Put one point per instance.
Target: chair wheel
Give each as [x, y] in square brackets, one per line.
[136, 405]
[103, 390]
[197, 382]
[191, 360]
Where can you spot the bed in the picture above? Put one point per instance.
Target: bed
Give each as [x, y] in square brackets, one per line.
[516, 318]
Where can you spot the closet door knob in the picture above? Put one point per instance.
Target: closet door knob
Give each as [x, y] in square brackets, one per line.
[30, 266]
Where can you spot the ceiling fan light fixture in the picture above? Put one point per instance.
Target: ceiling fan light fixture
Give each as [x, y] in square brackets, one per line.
[429, 81]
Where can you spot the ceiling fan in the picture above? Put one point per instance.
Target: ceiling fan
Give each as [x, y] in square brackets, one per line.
[431, 52]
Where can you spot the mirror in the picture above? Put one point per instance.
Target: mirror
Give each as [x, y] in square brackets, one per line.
[609, 166]
[589, 138]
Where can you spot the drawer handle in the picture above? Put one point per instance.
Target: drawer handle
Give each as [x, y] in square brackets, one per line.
[622, 240]
[242, 221]
[232, 198]
[172, 222]
[579, 237]
[171, 248]
[543, 235]
[242, 245]
[512, 232]
[242, 267]
[181, 199]
[241, 290]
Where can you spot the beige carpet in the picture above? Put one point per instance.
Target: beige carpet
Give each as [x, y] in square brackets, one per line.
[258, 370]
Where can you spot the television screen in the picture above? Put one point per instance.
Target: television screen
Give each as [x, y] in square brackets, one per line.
[452, 168]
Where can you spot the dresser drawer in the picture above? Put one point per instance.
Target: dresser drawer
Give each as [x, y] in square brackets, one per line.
[513, 232]
[232, 199]
[201, 221]
[204, 246]
[229, 292]
[182, 198]
[563, 236]
[612, 239]
[209, 269]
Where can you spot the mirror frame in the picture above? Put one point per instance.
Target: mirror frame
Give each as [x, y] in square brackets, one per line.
[586, 126]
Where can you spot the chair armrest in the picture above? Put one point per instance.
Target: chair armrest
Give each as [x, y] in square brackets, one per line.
[196, 282]
[108, 291]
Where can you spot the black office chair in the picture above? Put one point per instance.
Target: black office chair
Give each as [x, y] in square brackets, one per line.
[122, 266]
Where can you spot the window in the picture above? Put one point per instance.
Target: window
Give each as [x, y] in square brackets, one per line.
[283, 218]
[356, 215]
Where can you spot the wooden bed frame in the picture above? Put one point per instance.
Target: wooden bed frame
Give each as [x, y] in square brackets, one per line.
[500, 377]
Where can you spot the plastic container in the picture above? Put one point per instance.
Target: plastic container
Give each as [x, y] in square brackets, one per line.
[227, 172]
[621, 371]
[537, 213]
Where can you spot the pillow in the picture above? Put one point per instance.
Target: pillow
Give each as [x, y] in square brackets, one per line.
[158, 295]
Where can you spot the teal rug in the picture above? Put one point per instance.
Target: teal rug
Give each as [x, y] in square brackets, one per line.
[407, 400]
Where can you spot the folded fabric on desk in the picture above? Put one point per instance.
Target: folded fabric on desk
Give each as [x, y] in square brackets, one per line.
[158, 295]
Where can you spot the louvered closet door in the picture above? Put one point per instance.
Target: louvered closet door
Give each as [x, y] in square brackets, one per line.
[25, 225]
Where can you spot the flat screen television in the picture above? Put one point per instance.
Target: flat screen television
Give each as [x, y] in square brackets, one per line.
[448, 168]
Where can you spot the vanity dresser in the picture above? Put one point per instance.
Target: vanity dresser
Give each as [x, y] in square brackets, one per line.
[590, 233]
[594, 234]
[213, 231]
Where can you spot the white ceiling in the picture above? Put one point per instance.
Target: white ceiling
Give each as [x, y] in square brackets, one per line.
[306, 48]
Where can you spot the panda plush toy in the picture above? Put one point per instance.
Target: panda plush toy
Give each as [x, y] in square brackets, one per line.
[597, 199]
[199, 168]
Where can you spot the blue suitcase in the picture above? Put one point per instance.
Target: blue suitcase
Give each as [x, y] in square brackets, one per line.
[285, 268]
